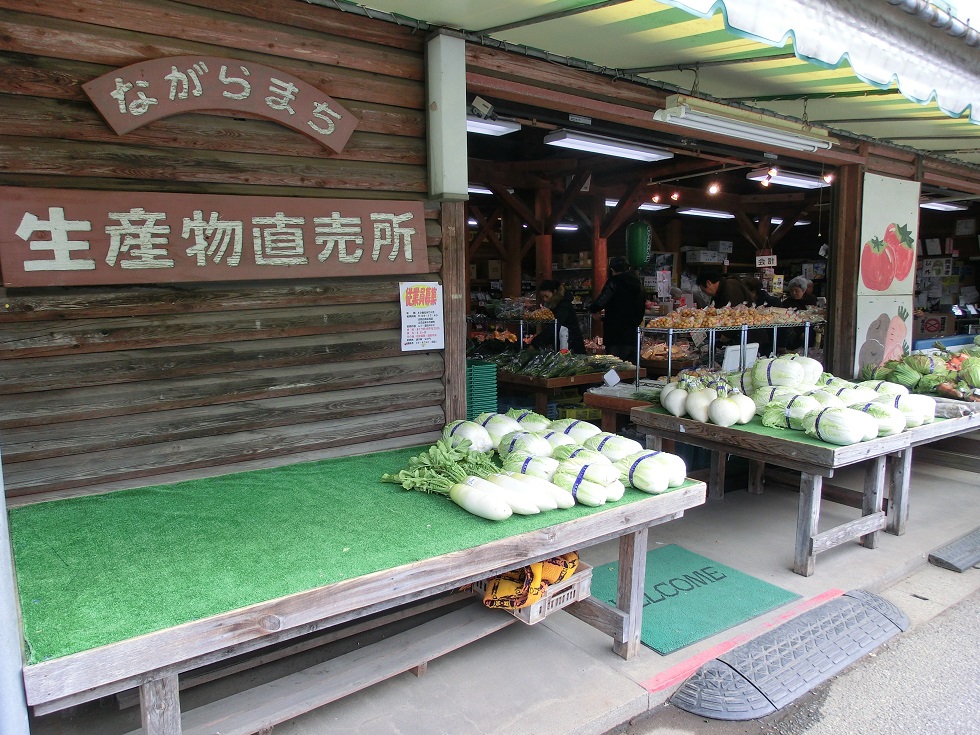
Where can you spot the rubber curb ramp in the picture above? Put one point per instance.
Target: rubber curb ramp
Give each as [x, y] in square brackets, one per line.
[959, 555]
[767, 673]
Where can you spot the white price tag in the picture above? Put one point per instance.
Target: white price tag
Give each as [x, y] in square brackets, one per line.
[611, 378]
[765, 261]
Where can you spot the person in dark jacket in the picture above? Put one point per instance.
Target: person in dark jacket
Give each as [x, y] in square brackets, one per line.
[552, 294]
[623, 301]
[723, 290]
[760, 297]
[791, 338]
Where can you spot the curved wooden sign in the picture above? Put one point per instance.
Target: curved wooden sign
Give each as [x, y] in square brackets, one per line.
[139, 94]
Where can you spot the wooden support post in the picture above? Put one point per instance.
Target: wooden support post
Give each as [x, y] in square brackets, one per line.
[455, 294]
[899, 477]
[420, 669]
[654, 442]
[629, 593]
[512, 261]
[845, 253]
[716, 485]
[542, 243]
[160, 706]
[807, 522]
[757, 472]
[874, 492]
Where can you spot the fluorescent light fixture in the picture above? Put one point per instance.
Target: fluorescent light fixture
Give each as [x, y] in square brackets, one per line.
[647, 207]
[798, 223]
[471, 222]
[478, 189]
[711, 117]
[606, 146]
[787, 178]
[944, 206]
[483, 126]
[566, 227]
[713, 213]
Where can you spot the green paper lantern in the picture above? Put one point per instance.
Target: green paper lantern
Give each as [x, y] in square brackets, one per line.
[639, 236]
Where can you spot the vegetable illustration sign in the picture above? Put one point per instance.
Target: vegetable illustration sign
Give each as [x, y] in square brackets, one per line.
[887, 258]
[885, 339]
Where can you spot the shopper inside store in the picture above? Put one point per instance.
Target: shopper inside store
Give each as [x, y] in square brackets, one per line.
[797, 294]
[553, 296]
[723, 290]
[623, 303]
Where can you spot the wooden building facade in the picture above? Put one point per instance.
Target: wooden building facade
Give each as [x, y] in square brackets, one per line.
[114, 386]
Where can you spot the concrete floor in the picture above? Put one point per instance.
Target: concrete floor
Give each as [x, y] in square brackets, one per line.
[560, 677]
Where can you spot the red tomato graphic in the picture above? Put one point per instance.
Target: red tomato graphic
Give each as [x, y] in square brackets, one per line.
[877, 265]
[898, 239]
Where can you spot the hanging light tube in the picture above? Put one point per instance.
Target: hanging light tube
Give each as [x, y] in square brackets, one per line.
[786, 178]
[713, 213]
[944, 206]
[647, 207]
[606, 146]
[485, 126]
[710, 117]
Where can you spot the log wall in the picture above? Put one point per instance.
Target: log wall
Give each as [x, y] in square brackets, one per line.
[111, 387]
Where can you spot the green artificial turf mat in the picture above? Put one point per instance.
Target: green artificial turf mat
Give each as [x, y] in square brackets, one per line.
[688, 597]
[99, 569]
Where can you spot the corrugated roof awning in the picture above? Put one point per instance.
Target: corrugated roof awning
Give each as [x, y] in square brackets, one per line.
[873, 37]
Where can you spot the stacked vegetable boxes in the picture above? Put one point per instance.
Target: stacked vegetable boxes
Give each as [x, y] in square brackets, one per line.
[481, 388]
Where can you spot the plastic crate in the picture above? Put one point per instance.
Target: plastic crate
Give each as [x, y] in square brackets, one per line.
[578, 412]
[574, 588]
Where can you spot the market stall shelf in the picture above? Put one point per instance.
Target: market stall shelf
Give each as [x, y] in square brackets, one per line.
[709, 337]
[336, 577]
[543, 388]
[965, 429]
[793, 450]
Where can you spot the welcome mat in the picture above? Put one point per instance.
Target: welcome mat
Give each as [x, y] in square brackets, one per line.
[688, 597]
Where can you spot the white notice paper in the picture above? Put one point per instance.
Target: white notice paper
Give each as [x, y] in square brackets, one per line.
[421, 309]
[611, 378]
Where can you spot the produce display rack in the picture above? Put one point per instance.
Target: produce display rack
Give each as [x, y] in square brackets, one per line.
[542, 388]
[481, 319]
[711, 334]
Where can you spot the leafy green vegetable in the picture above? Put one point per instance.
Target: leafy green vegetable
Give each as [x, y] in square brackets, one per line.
[441, 466]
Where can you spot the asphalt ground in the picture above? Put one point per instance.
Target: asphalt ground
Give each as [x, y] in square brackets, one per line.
[924, 681]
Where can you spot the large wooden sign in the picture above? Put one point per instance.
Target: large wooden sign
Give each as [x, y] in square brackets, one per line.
[66, 237]
[150, 90]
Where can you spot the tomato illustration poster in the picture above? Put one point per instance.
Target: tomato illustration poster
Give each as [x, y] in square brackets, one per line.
[889, 229]
[886, 275]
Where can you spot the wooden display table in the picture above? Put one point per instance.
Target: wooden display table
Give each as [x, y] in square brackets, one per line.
[154, 660]
[615, 410]
[544, 388]
[900, 465]
[793, 450]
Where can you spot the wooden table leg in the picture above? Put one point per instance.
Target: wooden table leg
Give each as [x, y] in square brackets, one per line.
[655, 443]
[629, 593]
[899, 476]
[160, 706]
[874, 493]
[541, 402]
[757, 472]
[807, 522]
[716, 483]
[609, 421]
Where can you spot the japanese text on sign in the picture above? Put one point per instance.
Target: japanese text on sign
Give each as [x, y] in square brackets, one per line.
[136, 95]
[421, 311]
[71, 237]
[765, 261]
